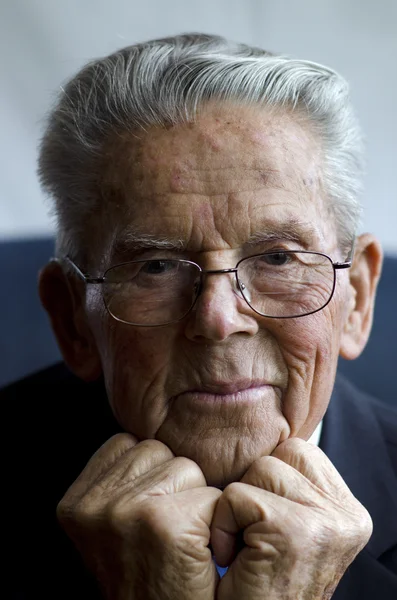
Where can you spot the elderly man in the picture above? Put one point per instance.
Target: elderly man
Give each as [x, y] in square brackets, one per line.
[207, 277]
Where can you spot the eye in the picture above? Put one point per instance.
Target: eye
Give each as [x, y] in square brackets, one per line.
[276, 258]
[157, 267]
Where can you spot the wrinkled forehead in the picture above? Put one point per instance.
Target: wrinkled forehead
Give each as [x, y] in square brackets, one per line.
[219, 180]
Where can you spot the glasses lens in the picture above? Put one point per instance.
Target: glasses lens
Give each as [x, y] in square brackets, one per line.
[287, 284]
[151, 292]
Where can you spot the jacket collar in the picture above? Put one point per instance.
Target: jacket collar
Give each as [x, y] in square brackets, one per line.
[353, 440]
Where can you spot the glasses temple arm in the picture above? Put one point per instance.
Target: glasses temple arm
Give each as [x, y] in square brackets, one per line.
[78, 271]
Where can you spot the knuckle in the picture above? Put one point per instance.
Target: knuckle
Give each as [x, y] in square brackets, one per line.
[364, 523]
[260, 470]
[356, 519]
[187, 465]
[156, 447]
[118, 517]
[154, 522]
[69, 507]
[148, 515]
[368, 524]
[345, 533]
[85, 511]
[118, 444]
[295, 446]
[80, 513]
[264, 464]
[63, 511]
[233, 490]
[293, 443]
[292, 546]
[123, 438]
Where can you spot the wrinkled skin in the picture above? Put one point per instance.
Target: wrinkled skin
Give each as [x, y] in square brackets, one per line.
[213, 185]
[302, 527]
[140, 519]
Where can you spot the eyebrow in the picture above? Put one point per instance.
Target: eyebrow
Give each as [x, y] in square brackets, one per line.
[293, 230]
[132, 240]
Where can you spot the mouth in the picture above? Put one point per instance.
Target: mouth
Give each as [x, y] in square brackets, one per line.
[239, 392]
[222, 388]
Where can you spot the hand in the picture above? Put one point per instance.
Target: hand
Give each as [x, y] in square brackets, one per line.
[299, 526]
[141, 518]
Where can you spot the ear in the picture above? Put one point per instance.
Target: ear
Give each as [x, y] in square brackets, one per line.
[63, 299]
[364, 276]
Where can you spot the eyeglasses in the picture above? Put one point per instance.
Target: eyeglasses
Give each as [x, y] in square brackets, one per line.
[282, 284]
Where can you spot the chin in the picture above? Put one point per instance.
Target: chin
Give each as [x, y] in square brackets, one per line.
[221, 467]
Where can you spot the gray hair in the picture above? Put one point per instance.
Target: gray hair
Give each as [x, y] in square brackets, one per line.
[164, 82]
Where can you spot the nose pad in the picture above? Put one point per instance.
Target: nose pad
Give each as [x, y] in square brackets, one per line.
[243, 288]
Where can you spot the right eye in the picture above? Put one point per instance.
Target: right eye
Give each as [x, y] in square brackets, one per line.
[157, 267]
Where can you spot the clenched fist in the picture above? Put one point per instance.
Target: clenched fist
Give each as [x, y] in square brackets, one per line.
[141, 519]
[143, 522]
[289, 529]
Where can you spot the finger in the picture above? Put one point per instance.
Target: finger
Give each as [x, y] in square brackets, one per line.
[193, 513]
[311, 461]
[101, 461]
[138, 460]
[171, 477]
[274, 475]
[141, 473]
[240, 506]
[184, 519]
[188, 512]
[115, 457]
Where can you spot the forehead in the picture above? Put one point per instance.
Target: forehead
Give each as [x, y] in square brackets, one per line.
[217, 182]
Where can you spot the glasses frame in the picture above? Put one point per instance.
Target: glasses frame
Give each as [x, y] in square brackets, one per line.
[240, 286]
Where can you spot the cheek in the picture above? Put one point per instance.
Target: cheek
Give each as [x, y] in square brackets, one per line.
[135, 364]
[302, 340]
[310, 348]
[311, 341]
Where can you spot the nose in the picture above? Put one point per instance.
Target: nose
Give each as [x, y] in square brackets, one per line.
[220, 311]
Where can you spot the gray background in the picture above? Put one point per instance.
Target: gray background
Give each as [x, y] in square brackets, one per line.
[43, 42]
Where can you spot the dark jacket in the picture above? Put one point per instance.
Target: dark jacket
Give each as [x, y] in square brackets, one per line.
[53, 425]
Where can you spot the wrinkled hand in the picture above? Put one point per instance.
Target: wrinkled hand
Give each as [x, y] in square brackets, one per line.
[140, 519]
[289, 529]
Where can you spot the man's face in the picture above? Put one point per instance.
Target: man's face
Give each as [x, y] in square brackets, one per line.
[224, 386]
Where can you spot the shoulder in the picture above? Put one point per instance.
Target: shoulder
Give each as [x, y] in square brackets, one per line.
[51, 393]
[46, 404]
[366, 405]
[53, 418]
[365, 424]
[56, 374]
[30, 404]
[52, 423]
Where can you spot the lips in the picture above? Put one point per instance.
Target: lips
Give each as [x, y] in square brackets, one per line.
[237, 392]
[223, 388]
